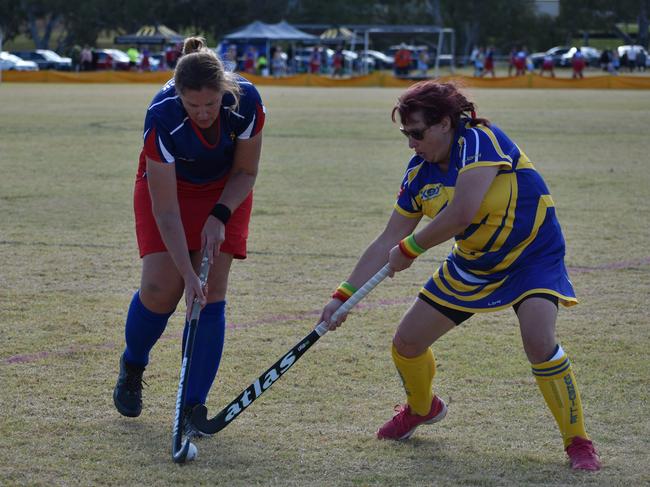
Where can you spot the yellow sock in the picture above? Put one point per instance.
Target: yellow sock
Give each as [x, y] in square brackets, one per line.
[417, 376]
[560, 390]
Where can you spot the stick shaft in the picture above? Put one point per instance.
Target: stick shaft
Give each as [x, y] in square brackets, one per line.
[181, 448]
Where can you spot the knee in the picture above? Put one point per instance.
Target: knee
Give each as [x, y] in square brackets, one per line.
[540, 351]
[159, 299]
[406, 349]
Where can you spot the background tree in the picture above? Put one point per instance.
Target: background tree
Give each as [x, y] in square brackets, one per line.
[501, 23]
[12, 17]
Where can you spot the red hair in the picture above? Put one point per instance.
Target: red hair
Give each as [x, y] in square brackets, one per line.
[435, 101]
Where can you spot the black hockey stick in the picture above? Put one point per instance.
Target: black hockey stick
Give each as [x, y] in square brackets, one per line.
[181, 447]
[210, 426]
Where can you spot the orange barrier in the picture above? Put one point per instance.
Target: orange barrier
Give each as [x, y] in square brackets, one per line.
[378, 79]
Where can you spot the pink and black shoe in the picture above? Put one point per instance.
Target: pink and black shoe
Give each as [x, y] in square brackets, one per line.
[404, 423]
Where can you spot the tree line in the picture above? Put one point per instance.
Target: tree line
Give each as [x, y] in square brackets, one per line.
[60, 24]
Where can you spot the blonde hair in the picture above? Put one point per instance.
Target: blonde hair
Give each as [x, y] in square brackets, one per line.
[200, 67]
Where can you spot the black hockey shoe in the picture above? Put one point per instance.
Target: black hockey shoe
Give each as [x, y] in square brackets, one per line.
[127, 394]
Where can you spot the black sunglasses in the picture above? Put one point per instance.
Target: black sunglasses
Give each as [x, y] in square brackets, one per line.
[415, 134]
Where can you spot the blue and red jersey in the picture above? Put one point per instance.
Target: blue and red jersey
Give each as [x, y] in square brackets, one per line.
[170, 136]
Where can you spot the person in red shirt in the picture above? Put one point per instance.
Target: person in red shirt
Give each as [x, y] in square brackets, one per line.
[315, 61]
[489, 62]
[403, 59]
[578, 64]
[548, 65]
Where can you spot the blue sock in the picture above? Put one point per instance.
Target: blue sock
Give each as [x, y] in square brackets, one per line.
[206, 355]
[143, 329]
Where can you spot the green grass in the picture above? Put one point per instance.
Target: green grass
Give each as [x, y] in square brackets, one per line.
[332, 162]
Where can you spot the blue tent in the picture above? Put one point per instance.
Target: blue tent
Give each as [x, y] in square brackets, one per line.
[260, 31]
[262, 34]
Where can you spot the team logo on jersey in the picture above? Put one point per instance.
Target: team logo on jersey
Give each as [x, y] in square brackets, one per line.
[430, 192]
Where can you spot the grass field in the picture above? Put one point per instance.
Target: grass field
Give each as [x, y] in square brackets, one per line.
[332, 163]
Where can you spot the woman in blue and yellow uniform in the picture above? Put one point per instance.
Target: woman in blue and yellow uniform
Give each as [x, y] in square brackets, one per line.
[193, 191]
[477, 186]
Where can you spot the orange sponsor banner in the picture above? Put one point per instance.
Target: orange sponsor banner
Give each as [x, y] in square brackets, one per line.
[377, 79]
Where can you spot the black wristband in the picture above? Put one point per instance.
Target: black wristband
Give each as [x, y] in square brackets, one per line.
[221, 212]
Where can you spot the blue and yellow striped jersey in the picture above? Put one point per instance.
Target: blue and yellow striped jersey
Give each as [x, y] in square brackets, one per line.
[514, 245]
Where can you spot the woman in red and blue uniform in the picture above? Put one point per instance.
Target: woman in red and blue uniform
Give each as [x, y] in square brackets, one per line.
[193, 193]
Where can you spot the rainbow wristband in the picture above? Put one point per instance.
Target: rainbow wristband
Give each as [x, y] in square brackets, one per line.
[410, 248]
[344, 291]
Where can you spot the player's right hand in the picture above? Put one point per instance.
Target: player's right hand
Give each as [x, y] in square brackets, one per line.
[193, 290]
[328, 311]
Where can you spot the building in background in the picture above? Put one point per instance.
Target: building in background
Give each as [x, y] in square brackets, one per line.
[548, 7]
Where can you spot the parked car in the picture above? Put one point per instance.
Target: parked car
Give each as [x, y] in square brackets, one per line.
[381, 60]
[591, 54]
[625, 49]
[11, 62]
[537, 58]
[301, 57]
[45, 59]
[111, 59]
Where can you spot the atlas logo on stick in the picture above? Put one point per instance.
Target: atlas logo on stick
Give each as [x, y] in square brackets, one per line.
[253, 391]
[210, 426]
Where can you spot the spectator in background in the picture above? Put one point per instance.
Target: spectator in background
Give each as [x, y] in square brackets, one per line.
[641, 60]
[548, 64]
[520, 62]
[171, 56]
[476, 58]
[145, 61]
[615, 63]
[133, 54]
[578, 64]
[86, 58]
[489, 61]
[403, 59]
[230, 62]
[279, 64]
[290, 62]
[631, 58]
[262, 65]
[423, 62]
[250, 58]
[604, 59]
[315, 60]
[511, 60]
[337, 62]
[75, 57]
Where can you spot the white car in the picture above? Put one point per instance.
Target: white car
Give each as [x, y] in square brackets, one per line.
[591, 55]
[14, 63]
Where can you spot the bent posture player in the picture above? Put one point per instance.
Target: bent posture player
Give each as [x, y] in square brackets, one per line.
[193, 191]
[477, 186]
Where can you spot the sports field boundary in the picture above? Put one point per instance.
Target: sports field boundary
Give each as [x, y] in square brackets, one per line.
[377, 79]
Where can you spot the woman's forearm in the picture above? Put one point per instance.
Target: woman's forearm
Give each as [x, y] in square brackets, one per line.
[173, 235]
[237, 188]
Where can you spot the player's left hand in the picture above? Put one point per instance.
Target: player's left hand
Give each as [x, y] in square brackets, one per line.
[398, 261]
[212, 236]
